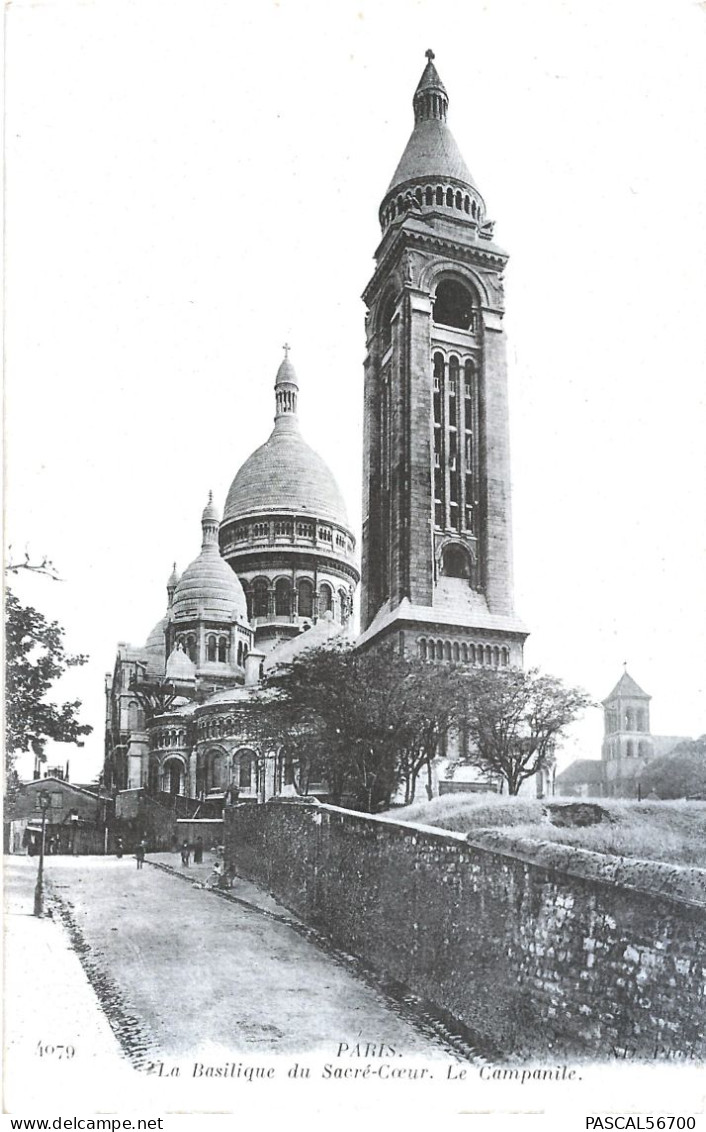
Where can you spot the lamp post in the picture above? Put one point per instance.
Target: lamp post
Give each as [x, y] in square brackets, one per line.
[44, 804]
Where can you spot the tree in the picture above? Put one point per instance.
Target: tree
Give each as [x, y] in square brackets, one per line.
[362, 721]
[514, 719]
[35, 659]
[679, 774]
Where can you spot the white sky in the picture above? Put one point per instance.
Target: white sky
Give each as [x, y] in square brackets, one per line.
[188, 185]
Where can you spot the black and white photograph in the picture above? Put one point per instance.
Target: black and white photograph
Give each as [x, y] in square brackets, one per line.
[354, 560]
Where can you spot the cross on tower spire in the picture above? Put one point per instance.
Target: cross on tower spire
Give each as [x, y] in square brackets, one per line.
[286, 349]
[429, 54]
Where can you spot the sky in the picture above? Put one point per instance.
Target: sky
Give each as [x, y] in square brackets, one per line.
[188, 186]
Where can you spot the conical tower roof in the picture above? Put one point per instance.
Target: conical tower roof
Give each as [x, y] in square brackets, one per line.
[627, 688]
[431, 153]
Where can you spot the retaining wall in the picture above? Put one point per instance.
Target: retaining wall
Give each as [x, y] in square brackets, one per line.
[552, 957]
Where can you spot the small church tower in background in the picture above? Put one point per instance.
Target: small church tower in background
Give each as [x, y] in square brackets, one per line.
[627, 743]
[436, 546]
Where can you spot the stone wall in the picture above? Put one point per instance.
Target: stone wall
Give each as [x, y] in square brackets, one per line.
[549, 957]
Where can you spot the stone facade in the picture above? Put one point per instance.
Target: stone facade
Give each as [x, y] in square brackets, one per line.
[545, 952]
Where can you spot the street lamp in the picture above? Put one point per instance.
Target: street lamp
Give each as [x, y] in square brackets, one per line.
[44, 804]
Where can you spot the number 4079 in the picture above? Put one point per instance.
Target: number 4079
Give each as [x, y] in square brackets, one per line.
[62, 1053]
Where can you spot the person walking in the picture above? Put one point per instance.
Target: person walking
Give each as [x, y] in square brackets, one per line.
[119, 848]
[185, 854]
[140, 853]
[198, 851]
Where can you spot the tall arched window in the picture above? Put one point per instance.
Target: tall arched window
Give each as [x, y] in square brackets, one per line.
[191, 647]
[222, 649]
[306, 598]
[240, 654]
[283, 598]
[133, 716]
[260, 598]
[344, 605]
[422, 649]
[325, 598]
[211, 648]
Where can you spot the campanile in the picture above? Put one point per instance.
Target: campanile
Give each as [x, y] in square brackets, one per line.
[436, 549]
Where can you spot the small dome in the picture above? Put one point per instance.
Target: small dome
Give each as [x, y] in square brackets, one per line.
[286, 374]
[210, 511]
[208, 588]
[179, 665]
[156, 647]
[173, 578]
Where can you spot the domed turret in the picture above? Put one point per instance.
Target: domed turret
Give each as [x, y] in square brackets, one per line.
[208, 588]
[285, 529]
[432, 174]
[285, 474]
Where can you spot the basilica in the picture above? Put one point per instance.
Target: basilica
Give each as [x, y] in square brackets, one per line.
[277, 572]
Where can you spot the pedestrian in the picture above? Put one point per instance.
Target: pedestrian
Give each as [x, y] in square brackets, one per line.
[119, 848]
[185, 854]
[140, 853]
[198, 851]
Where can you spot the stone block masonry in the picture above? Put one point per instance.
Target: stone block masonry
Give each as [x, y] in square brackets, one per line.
[551, 957]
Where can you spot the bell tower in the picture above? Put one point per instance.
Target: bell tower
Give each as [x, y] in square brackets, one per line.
[436, 553]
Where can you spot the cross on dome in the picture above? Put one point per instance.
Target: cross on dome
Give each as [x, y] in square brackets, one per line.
[430, 54]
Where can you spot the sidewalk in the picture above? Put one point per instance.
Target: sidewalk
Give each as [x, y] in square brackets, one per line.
[49, 1004]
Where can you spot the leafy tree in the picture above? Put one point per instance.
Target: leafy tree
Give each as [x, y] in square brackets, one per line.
[364, 722]
[679, 774]
[514, 719]
[35, 659]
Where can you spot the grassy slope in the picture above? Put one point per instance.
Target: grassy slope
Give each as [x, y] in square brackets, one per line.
[673, 832]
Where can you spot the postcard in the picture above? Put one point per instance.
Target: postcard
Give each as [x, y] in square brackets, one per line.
[354, 563]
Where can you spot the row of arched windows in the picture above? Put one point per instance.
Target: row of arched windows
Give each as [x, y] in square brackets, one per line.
[633, 719]
[289, 529]
[434, 195]
[265, 599]
[459, 652]
[217, 649]
[633, 749]
[169, 737]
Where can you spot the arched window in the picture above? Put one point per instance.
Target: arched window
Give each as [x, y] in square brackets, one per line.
[222, 649]
[245, 766]
[630, 750]
[283, 598]
[418, 196]
[439, 650]
[458, 200]
[439, 195]
[496, 656]
[642, 720]
[464, 650]
[218, 771]
[449, 198]
[457, 651]
[428, 195]
[423, 648]
[325, 599]
[454, 562]
[260, 598]
[466, 204]
[133, 716]
[472, 654]
[643, 749]
[453, 305]
[211, 648]
[447, 651]
[240, 654]
[191, 647]
[488, 655]
[506, 658]
[629, 720]
[306, 598]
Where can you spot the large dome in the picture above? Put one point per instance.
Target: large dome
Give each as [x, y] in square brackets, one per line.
[285, 474]
[155, 646]
[208, 588]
